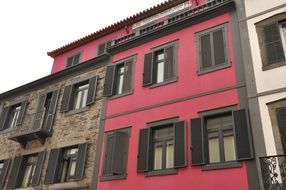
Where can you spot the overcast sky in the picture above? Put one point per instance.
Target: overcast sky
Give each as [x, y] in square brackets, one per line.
[31, 28]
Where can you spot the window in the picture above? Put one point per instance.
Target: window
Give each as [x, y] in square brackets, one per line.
[45, 111]
[119, 78]
[4, 166]
[160, 65]
[73, 60]
[212, 49]
[272, 35]
[79, 95]
[12, 116]
[66, 164]
[102, 47]
[162, 147]
[115, 156]
[213, 140]
[26, 171]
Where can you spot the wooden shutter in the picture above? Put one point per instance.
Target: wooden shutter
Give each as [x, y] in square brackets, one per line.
[76, 59]
[65, 106]
[69, 62]
[101, 48]
[4, 172]
[3, 118]
[38, 169]
[108, 154]
[148, 69]
[242, 135]
[143, 150]
[22, 112]
[273, 43]
[281, 117]
[169, 67]
[197, 142]
[53, 166]
[80, 162]
[119, 152]
[219, 47]
[205, 51]
[91, 91]
[109, 80]
[39, 111]
[16, 173]
[52, 111]
[180, 145]
[127, 80]
[108, 44]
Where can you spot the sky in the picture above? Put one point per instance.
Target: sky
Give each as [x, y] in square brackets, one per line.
[31, 28]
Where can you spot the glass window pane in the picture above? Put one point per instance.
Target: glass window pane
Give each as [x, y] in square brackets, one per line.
[160, 56]
[229, 148]
[119, 84]
[83, 103]
[72, 169]
[78, 96]
[213, 123]
[1, 167]
[64, 171]
[158, 154]
[170, 154]
[214, 152]
[160, 72]
[26, 177]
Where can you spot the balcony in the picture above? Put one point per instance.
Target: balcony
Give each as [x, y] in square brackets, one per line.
[274, 172]
[35, 127]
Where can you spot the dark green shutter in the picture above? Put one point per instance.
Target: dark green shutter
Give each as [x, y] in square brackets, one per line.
[91, 91]
[4, 172]
[143, 150]
[219, 47]
[80, 162]
[16, 173]
[38, 169]
[22, 112]
[109, 80]
[119, 152]
[65, 106]
[53, 169]
[205, 51]
[180, 145]
[108, 154]
[281, 117]
[101, 48]
[52, 111]
[4, 117]
[148, 69]
[39, 111]
[197, 142]
[127, 80]
[242, 135]
[76, 59]
[69, 62]
[273, 43]
[169, 67]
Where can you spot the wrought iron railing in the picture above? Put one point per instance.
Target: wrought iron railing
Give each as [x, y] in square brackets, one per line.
[274, 172]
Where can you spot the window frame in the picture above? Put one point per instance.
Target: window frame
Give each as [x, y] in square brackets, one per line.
[31, 174]
[73, 57]
[214, 67]
[107, 177]
[69, 159]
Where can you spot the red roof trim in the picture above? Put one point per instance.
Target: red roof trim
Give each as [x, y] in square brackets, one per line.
[116, 26]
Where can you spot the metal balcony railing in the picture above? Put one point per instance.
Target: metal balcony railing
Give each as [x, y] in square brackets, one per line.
[274, 172]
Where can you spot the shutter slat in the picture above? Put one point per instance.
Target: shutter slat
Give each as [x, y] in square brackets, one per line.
[180, 145]
[119, 152]
[22, 112]
[53, 166]
[4, 172]
[3, 118]
[38, 169]
[109, 80]
[143, 149]
[15, 174]
[148, 69]
[80, 162]
[91, 91]
[242, 135]
[52, 111]
[65, 106]
[39, 112]
[197, 142]
[169, 67]
[281, 116]
[127, 81]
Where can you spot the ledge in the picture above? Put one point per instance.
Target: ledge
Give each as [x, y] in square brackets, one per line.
[161, 172]
[223, 165]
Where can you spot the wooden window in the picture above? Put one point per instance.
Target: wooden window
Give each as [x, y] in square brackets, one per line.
[101, 49]
[73, 60]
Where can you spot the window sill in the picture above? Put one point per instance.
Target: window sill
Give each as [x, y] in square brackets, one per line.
[273, 65]
[164, 83]
[161, 172]
[223, 165]
[113, 177]
[67, 185]
[72, 112]
[214, 68]
[121, 95]
[25, 188]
